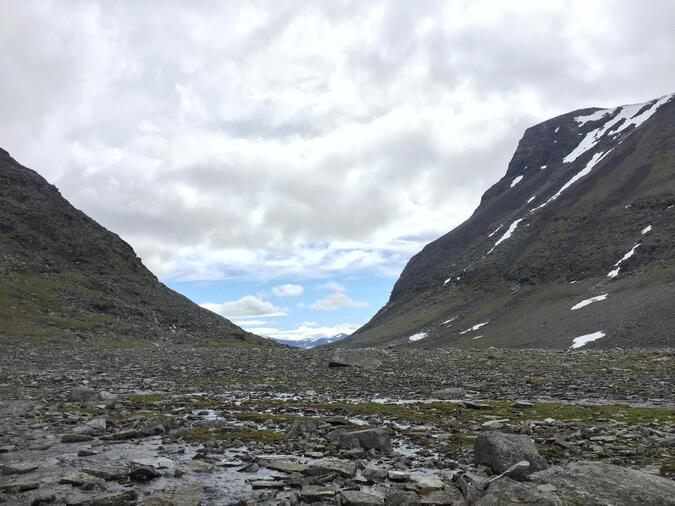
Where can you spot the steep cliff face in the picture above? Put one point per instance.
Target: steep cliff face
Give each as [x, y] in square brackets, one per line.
[583, 219]
[62, 274]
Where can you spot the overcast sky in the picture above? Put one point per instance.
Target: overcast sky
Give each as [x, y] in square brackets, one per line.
[247, 146]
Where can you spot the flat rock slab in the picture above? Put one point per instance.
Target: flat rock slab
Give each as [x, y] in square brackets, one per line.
[283, 465]
[356, 498]
[363, 358]
[601, 484]
[500, 451]
[344, 468]
[508, 491]
[19, 468]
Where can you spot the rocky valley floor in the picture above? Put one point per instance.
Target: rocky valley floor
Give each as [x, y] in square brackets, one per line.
[167, 424]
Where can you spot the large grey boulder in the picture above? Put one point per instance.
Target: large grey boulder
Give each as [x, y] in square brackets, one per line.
[369, 439]
[500, 451]
[508, 491]
[602, 484]
[363, 358]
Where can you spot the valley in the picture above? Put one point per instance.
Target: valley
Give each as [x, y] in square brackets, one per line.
[116, 423]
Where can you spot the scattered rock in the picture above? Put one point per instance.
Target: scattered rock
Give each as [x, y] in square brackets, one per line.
[449, 393]
[508, 491]
[18, 468]
[143, 473]
[76, 438]
[83, 394]
[344, 468]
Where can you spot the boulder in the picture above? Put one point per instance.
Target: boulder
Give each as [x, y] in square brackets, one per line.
[368, 439]
[508, 491]
[363, 358]
[599, 483]
[500, 451]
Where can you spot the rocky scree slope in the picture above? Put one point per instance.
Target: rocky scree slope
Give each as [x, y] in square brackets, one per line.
[64, 275]
[574, 247]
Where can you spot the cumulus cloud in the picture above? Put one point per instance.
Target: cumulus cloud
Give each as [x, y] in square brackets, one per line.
[288, 290]
[308, 330]
[336, 300]
[270, 139]
[249, 305]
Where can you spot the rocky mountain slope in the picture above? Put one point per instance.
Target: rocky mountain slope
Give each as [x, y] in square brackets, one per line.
[574, 246]
[65, 275]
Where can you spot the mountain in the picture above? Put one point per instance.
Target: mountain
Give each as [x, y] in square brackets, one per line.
[574, 246]
[307, 344]
[64, 275]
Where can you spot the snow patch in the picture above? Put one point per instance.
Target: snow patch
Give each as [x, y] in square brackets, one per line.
[543, 166]
[646, 230]
[586, 302]
[512, 228]
[447, 281]
[583, 172]
[627, 115]
[516, 180]
[475, 327]
[496, 230]
[615, 272]
[449, 321]
[556, 130]
[417, 337]
[531, 199]
[477, 337]
[580, 341]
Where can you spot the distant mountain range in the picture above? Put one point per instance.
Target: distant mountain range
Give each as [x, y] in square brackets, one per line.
[312, 343]
[64, 275]
[574, 247]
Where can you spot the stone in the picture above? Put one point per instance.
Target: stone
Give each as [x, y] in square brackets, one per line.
[368, 439]
[143, 473]
[302, 428]
[8, 448]
[476, 405]
[397, 497]
[76, 438]
[95, 427]
[344, 468]
[186, 495]
[363, 358]
[120, 498]
[83, 394]
[107, 473]
[449, 393]
[316, 493]
[508, 491]
[451, 496]
[19, 486]
[500, 451]
[267, 485]
[199, 466]
[398, 476]
[428, 482]
[356, 498]
[284, 465]
[82, 480]
[375, 473]
[18, 468]
[122, 435]
[601, 483]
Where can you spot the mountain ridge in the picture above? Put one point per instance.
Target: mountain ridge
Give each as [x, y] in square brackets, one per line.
[64, 275]
[576, 195]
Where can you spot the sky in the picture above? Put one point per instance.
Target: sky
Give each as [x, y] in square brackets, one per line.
[280, 161]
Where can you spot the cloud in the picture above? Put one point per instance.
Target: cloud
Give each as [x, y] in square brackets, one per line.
[308, 330]
[335, 301]
[288, 290]
[334, 286]
[284, 139]
[251, 323]
[249, 305]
